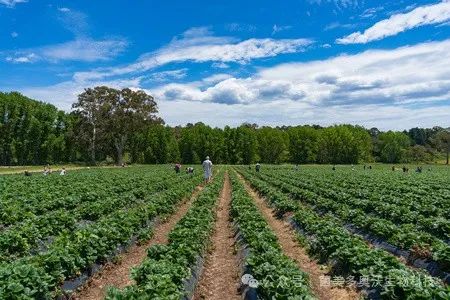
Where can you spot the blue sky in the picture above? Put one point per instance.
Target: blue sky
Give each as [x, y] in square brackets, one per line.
[373, 63]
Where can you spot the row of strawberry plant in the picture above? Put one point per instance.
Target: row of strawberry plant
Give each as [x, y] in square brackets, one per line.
[24, 198]
[410, 206]
[278, 276]
[37, 232]
[350, 255]
[403, 236]
[40, 276]
[162, 275]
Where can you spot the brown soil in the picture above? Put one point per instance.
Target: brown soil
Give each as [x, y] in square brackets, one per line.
[118, 275]
[291, 247]
[220, 277]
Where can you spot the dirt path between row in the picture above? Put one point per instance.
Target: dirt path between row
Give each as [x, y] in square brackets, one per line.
[220, 277]
[291, 247]
[118, 275]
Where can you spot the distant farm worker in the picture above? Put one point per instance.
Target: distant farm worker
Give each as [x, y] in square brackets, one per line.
[334, 168]
[27, 173]
[257, 167]
[207, 168]
[393, 168]
[370, 167]
[190, 170]
[177, 168]
[63, 172]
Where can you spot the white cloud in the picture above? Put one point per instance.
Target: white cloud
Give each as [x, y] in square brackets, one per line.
[278, 28]
[389, 89]
[386, 88]
[12, 3]
[340, 4]
[14, 34]
[420, 16]
[198, 45]
[335, 25]
[64, 9]
[237, 27]
[29, 58]
[220, 65]
[64, 94]
[168, 75]
[82, 49]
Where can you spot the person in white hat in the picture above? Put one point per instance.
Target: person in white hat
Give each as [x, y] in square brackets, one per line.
[207, 168]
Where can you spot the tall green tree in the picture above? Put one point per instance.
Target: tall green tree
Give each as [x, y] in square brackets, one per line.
[271, 145]
[303, 144]
[394, 146]
[442, 142]
[115, 115]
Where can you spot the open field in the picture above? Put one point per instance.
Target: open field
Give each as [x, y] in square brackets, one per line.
[306, 232]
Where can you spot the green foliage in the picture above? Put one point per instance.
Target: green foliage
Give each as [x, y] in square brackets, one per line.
[323, 212]
[394, 147]
[82, 223]
[278, 276]
[109, 125]
[163, 272]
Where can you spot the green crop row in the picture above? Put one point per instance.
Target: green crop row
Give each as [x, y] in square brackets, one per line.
[350, 255]
[403, 236]
[163, 273]
[429, 213]
[23, 238]
[278, 276]
[26, 198]
[71, 253]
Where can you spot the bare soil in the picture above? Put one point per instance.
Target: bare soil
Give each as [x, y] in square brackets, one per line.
[291, 247]
[220, 277]
[118, 274]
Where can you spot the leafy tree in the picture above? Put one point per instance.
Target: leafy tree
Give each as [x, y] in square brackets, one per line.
[303, 144]
[394, 146]
[442, 142]
[116, 115]
[271, 145]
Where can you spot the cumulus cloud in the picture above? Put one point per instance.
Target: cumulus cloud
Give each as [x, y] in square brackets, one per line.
[12, 3]
[199, 45]
[420, 16]
[373, 88]
[390, 89]
[83, 49]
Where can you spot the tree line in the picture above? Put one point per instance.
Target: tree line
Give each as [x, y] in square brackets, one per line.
[110, 125]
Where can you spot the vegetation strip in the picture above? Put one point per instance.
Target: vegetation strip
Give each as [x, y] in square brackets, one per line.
[167, 269]
[329, 241]
[288, 240]
[118, 274]
[278, 276]
[220, 276]
[76, 252]
[430, 212]
[377, 230]
[38, 233]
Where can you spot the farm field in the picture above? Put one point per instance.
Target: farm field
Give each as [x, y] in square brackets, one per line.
[307, 232]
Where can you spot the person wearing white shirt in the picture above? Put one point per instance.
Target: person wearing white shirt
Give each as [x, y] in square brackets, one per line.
[207, 168]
